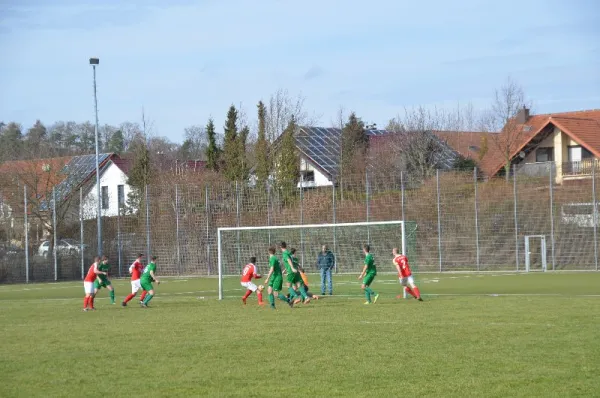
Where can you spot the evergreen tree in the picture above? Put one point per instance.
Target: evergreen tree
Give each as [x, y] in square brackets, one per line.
[263, 166]
[287, 163]
[11, 142]
[243, 162]
[116, 143]
[36, 141]
[185, 150]
[213, 152]
[140, 176]
[231, 146]
[354, 145]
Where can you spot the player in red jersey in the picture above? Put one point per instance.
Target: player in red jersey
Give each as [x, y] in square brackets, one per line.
[405, 275]
[248, 273]
[135, 270]
[88, 284]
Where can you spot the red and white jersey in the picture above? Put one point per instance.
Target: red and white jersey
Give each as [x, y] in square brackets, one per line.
[136, 270]
[249, 272]
[91, 275]
[402, 263]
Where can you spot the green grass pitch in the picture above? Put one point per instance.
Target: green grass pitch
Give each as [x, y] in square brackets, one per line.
[475, 335]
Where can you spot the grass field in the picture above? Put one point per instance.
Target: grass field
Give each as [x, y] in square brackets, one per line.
[528, 335]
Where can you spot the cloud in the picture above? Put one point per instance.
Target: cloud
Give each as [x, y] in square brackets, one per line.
[314, 72]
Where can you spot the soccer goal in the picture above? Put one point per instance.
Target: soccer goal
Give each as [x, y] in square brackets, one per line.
[237, 244]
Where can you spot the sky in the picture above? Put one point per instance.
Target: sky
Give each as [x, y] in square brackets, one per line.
[184, 61]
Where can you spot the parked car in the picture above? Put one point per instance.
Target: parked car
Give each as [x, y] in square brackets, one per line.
[64, 247]
[11, 251]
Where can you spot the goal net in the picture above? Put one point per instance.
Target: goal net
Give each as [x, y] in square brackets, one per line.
[237, 244]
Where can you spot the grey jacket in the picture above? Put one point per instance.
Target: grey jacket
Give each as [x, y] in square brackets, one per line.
[325, 260]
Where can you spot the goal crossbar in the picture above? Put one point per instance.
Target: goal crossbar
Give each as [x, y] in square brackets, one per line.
[298, 226]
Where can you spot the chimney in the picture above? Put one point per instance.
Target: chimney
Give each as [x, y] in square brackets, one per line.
[523, 115]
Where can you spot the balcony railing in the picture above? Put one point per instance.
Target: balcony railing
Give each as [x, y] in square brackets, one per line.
[582, 168]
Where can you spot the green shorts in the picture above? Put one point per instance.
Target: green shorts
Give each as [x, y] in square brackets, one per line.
[368, 279]
[298, 278]
[290, 277]
[146, 285]
[99, 285]
[276, 282]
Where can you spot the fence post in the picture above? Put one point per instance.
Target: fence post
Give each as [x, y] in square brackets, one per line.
[552, 216]
[148, 254]
[476, 219]
[54, 251]
[334, 219]
[402, 195]
[238, 215]
[302, 219]
[26, 235]
[515, 215]
[368, 205]
[439, 217]
[119, 240]
[177, 229]
[207, 209]
[269, 209]
[595, 217]
[81, 249]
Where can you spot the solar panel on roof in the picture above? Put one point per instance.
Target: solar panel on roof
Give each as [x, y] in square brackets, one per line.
[76, 171]
[322, 145]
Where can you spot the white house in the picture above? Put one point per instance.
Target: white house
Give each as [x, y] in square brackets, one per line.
[320, 154]
[114, 190]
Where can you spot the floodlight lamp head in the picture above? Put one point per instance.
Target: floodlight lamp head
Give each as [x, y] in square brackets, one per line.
[94, 61]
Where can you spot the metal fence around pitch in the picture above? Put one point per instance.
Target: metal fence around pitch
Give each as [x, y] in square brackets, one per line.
[463, 222]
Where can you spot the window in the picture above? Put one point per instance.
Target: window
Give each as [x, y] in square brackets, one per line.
[577, 153]
[544, 155]
[121, 195]
[105, 197]
[308, 176]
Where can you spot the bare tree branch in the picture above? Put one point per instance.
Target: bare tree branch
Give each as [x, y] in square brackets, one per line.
[509, 99]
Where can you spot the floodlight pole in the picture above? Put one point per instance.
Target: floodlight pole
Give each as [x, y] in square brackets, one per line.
[94, 62]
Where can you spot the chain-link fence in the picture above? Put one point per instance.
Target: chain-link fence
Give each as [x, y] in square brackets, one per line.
[463, 222]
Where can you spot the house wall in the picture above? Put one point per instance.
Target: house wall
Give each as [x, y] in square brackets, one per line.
[112, 177]
[321, 180]
[560, 142]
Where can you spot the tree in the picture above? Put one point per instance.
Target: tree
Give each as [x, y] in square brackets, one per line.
[413, 147]
[40, 176]
[287, 164]
[281, 109]
[231, 155]
[87, 137]
[11, 142]
[263, 165]
[116, 143]
[36, 139]
[243, 163]
[353, 147]
[509, 99]
[140, 176]
[132, 132]
[196, 139]
[213, 152]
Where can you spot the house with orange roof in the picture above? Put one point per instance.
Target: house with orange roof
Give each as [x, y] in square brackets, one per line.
[62, 178]
[566, 144]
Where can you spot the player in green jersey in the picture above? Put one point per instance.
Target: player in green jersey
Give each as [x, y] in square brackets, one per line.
[292, 277]
[274, 280]
[368, 273]
[149, 276]
[103, 281]
[303, 279]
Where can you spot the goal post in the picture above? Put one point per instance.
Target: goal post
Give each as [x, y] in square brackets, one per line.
[235, 245]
